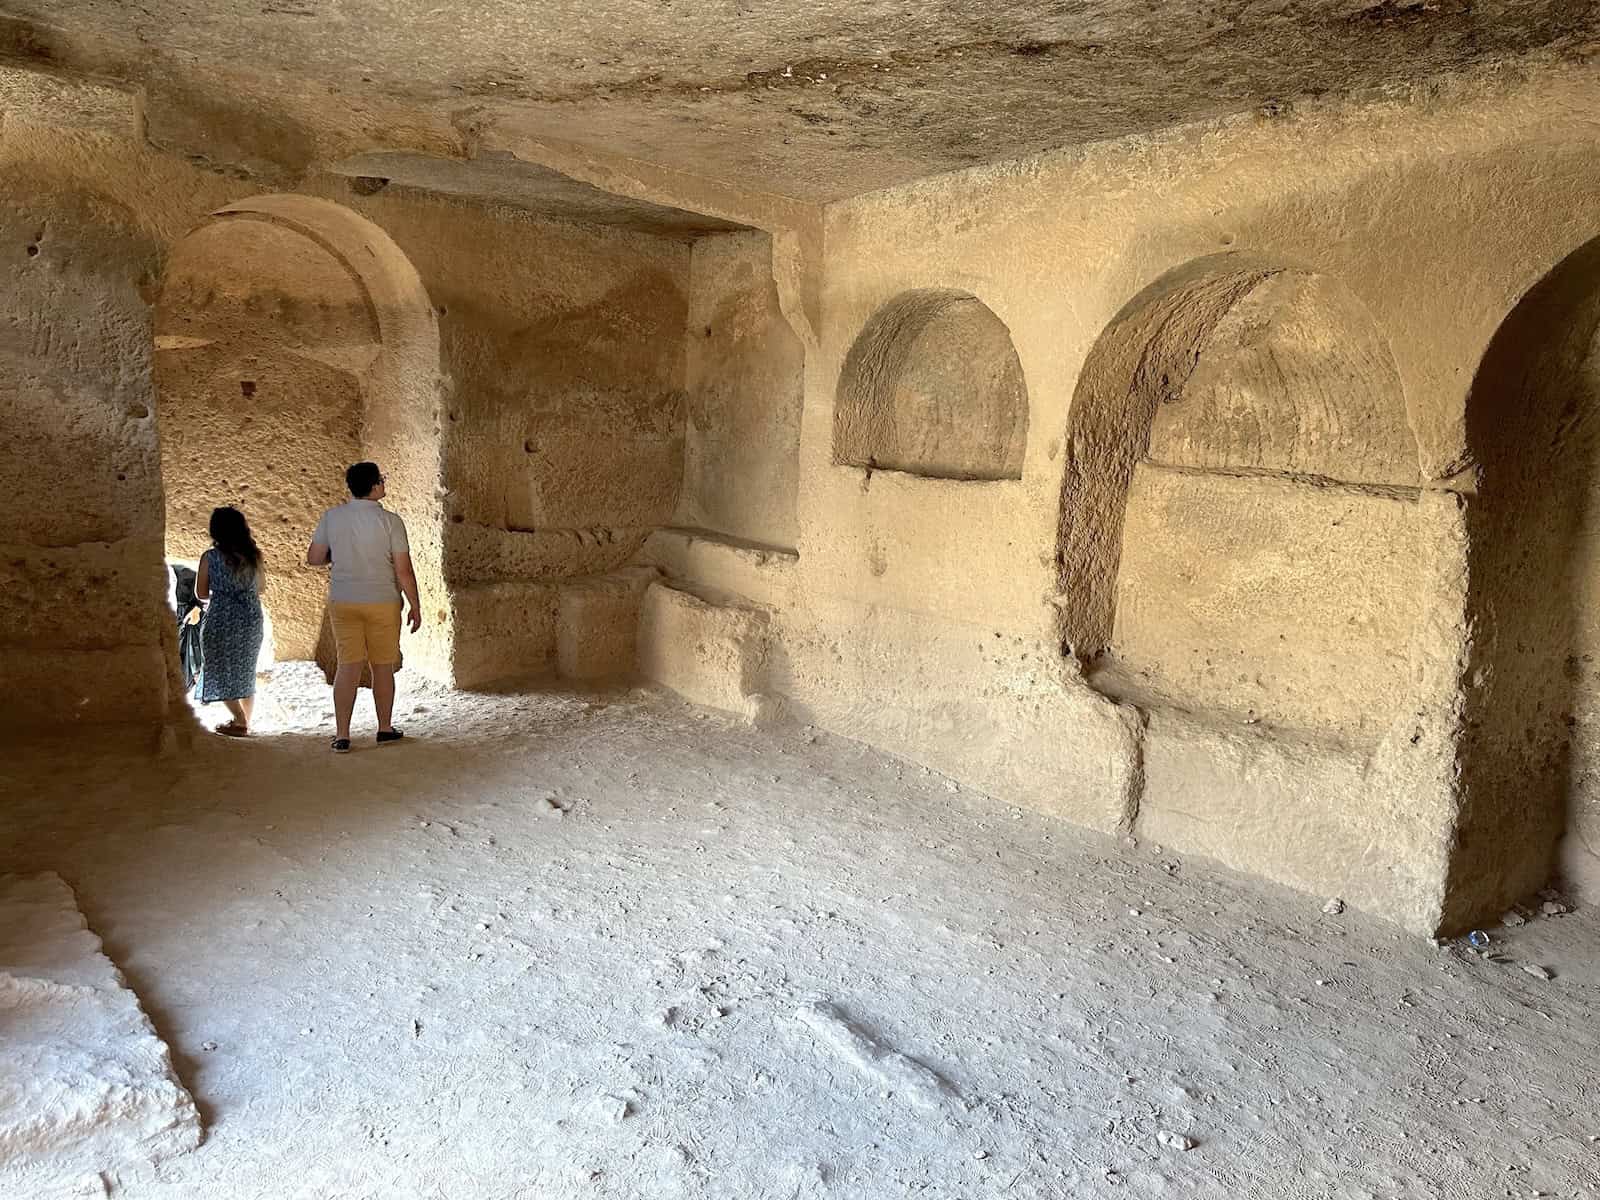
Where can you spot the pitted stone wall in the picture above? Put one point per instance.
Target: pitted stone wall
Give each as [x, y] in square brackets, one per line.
[85, 630]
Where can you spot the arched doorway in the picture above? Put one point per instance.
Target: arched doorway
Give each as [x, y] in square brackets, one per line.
[294, 337]
[1530, 766]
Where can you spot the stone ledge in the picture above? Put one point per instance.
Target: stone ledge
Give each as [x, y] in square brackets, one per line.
[724, 565]
[709, 653]
[504, 631]
[597, 625]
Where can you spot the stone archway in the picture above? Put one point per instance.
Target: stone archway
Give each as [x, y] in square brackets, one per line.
[293, 337]
[262, 337]
[1238, 443]
[1530, 766]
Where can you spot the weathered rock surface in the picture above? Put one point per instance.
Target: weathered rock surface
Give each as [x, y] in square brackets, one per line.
[86, 1086]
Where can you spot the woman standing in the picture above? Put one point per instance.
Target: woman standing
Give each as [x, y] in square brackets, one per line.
[230, 580]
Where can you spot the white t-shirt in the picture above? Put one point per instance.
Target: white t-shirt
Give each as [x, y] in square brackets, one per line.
[363, 538]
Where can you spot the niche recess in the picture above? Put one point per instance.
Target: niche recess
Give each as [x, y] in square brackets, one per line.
[933, 387]
[1238, 527]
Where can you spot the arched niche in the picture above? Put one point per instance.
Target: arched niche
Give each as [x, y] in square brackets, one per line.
[933, 386]
[1530, 767]
[1226, 365]
[293, 336]
[1293, 377]
[1237, 508]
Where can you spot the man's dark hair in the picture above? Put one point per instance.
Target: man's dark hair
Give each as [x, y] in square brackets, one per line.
[361, 478]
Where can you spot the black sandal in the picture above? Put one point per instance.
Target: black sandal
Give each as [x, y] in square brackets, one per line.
[389, 735]
[341, 745]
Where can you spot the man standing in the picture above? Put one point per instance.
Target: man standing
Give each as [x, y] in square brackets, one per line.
[366, 545]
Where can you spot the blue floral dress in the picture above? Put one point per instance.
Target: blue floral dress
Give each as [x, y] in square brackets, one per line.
[230, 634]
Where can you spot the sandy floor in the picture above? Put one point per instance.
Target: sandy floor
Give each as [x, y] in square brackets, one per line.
[556, 947]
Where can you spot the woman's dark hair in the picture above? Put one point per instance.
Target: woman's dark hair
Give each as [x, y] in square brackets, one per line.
[361, 478]
[230, 533]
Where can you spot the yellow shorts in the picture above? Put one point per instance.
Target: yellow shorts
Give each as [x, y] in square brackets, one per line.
[367, 632]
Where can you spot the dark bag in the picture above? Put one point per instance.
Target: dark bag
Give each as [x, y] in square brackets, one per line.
[191, 655]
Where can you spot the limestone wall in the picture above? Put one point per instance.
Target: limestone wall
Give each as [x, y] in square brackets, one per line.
[1265, 575]
[84, 628]
[1328, 626]
[1580, 668]
[1269, 600]
[745, 383]
[81, 528]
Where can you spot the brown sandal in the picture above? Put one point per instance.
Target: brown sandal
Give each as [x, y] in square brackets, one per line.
[232, 729]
